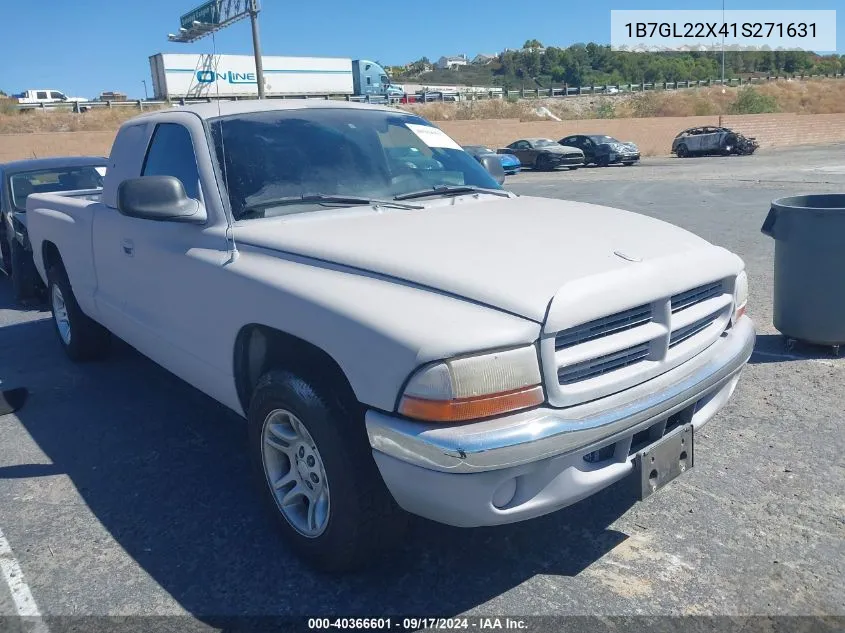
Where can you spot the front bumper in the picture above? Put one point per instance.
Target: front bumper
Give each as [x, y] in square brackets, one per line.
[625, 157]
[561, 160]
[528, 464]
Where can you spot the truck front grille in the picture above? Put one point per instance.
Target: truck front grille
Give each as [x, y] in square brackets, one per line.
[620, 350]
[695, 296]
[605, 326]
[601, 365]
[683, 333]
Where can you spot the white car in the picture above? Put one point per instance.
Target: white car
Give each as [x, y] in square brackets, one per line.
[396, 338]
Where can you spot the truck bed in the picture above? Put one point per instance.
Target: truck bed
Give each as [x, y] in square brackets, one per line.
[65, 219]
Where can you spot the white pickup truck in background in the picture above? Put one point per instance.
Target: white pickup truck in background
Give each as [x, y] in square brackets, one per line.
[46, 96]
[395, 336]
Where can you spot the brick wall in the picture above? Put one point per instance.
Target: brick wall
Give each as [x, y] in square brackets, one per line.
[654, 136]
[782, 130]
[41, 145]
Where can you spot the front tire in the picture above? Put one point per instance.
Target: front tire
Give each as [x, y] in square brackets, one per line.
[682, 151]
[316, 472]
[543, 164]
[22, 286]
[82, 338]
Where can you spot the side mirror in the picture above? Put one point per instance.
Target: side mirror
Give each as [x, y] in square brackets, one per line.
[160, 198]
[493, 164]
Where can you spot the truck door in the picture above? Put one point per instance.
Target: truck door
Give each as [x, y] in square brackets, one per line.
[169, 299]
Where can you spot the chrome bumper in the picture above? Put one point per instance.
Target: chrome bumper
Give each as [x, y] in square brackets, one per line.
[545, 432]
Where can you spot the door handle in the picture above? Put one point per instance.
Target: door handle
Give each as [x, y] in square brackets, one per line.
[128, 248]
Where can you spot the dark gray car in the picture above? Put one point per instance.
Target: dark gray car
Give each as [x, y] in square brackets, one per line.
[80, 174]
[544, 154]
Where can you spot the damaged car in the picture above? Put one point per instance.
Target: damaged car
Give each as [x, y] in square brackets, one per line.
[701, 141]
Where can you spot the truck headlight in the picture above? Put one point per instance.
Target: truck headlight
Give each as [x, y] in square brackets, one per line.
[740, 296]
[474, 387]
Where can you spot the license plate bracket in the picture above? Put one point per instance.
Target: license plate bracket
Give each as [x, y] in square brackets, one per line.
[661, 462]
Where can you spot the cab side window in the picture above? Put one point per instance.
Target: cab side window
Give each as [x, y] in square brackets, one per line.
[171, 153]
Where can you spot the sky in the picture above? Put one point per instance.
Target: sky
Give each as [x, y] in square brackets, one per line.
[85, 47]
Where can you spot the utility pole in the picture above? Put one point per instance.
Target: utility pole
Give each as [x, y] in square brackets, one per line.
[146, 97]
[256, 45]
[723, 46]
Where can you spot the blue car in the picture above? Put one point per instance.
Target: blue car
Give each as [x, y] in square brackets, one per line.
[510, 163]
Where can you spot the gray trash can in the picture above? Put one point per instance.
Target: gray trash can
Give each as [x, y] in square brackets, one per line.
[809, 234]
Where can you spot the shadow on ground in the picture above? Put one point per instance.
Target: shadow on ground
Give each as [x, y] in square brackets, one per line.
[773, 348]
[164, 469]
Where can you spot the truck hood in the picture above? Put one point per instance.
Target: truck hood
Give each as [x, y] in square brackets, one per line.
[514, 254]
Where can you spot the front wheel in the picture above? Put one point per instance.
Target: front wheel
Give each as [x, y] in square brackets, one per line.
[81, 337]
[22, 286]
[315, 468]
[682, 151]
[543, 164]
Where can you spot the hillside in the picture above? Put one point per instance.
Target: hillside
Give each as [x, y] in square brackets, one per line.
[585, 64]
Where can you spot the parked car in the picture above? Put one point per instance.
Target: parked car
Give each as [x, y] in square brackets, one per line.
[712, 140]
[603, 150]
[396, 338]
[438, 95]
[510, 162]
[82, 175]
[544, 154]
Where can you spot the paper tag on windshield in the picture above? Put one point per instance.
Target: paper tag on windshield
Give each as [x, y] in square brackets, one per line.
[432, 136]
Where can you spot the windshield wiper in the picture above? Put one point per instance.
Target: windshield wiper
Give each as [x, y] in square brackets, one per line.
[323, 199]
[449, 190]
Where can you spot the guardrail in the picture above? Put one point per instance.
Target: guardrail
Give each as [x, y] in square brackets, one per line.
[141, 104]
[457, 95]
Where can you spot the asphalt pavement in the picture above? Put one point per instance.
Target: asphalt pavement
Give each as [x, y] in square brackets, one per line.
[123, 491]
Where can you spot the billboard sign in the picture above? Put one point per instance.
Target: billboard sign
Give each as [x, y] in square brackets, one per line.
[208, 13]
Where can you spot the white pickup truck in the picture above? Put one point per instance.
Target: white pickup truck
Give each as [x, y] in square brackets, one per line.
[397, 334]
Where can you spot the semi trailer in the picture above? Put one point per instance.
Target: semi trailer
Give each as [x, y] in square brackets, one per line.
[190, 76]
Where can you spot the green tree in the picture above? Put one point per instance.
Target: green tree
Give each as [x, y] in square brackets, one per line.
[531, 44]
[750, 101]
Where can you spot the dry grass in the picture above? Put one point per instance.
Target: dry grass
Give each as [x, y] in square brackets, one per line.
[810, 97]
[13, 122]
[575, 108]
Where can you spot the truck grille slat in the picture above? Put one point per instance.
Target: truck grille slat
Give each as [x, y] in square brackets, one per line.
[695, 296]
[682, 334]
[605, 326]
[601, 365]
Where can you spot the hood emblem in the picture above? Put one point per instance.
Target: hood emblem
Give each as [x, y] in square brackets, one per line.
[626, 257]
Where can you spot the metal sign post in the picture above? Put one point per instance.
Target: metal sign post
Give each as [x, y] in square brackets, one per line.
[215, 15]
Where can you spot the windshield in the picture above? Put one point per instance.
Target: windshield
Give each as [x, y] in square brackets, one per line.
[603, 139]
[54, 180]
[545, 142]
[339, 152]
